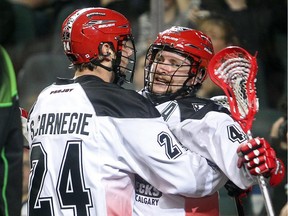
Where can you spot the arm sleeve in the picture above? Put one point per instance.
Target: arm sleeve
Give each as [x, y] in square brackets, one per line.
[153, 153]
[218, 138]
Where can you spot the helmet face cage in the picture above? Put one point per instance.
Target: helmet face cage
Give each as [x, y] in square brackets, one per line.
[182, 42]
[124, 64]
[152, 62]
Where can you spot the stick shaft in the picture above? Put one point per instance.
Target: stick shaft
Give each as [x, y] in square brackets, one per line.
[267, 200]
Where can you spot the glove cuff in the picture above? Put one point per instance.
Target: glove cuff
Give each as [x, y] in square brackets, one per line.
[277, 174]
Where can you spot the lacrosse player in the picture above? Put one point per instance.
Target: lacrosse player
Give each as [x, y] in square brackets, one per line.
[175, 67]
[88, 136]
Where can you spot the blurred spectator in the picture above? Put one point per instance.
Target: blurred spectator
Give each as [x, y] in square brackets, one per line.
[196, 13]
[222, 35]
[251, 23]
[172, 16]
[220, 30]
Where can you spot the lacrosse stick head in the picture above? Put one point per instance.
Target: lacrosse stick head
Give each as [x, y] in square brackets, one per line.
[234, 70]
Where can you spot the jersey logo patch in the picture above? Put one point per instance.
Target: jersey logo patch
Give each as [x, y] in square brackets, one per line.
[145, 193]
[234, 134]
[197, 106]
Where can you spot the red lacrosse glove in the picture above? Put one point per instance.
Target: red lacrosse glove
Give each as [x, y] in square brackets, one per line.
[278, 173]
[260, 159]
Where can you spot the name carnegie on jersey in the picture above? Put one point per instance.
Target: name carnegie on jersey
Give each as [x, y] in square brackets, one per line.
[60, 123]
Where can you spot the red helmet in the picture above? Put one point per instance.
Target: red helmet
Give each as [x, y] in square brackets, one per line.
[85, 29]
[189, 43]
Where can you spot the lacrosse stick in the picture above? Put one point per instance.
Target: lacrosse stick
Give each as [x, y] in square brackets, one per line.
[234, 70]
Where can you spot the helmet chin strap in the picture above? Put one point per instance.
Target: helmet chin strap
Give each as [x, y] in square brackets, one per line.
[118, 79]
[97, 62]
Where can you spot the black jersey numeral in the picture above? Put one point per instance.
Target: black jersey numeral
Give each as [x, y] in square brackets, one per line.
[39, 205]
[172, 151]
[71, 190]
[234, 134]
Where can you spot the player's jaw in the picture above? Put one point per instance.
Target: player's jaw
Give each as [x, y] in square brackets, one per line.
[163, 84]
[167, 84]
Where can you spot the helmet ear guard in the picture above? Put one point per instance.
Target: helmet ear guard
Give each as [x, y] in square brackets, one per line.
[201, 74]
[199, 78]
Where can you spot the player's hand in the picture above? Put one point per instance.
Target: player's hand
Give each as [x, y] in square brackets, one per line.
[260, 159]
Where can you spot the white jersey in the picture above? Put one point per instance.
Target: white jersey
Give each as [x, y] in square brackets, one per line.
[89, 138]
[206, 128]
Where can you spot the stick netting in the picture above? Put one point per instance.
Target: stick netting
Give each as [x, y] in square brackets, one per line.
[234, 72]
